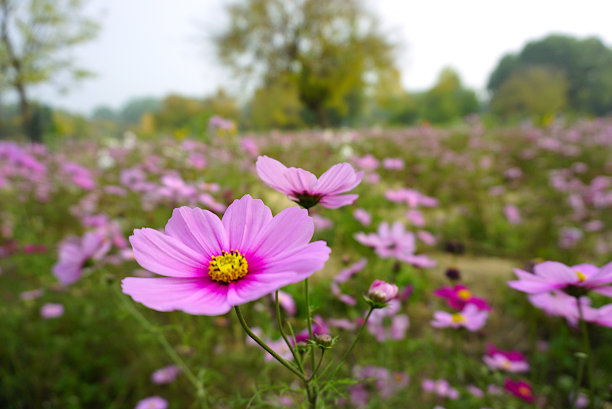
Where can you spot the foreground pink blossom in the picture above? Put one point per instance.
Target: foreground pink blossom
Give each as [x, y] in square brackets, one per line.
[74, 252]
[511, 361]
[459, 296]
[304, 188]
[470, 318]
[551, 275]
[212, 265]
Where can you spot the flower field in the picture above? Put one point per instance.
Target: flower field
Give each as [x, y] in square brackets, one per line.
[464, 267]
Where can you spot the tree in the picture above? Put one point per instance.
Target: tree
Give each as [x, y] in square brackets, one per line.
[586, 65]
[534, 91]
[331, 50]
[448, 100]
[34, 38]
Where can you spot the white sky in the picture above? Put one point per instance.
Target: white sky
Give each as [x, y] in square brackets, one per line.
[154, 47]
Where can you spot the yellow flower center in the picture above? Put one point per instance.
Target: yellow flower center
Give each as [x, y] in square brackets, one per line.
[458, 318]
[464, 294]
[581, 276]
[228, 267]
[506, 364]
[524, 391]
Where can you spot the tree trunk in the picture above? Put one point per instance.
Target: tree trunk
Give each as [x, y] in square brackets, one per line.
[322, 116]
[27, 125]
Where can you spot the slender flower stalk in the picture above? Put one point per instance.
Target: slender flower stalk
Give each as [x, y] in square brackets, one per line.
[348, 351]
[262, 344]
[298, 361]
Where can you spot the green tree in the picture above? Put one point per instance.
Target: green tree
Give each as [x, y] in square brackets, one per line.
[332, 50]
[448, 100]
[34, 38]
[135, 108]
[586, 65]
[535, 91]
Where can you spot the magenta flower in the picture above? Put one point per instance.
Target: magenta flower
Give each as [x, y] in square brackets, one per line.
[74, 252]
[362, 216]
[152, 402]
[520, 389]
[304, 188]
[459, 296]
[511, 361]
[212, 265]
[51, 310]
[551, 275]
[470, 318]
[512, 213]
[165, 375]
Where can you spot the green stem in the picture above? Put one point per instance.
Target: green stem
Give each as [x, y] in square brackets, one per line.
[586, 345]
[280, 327]
[314, 372]
[166, 345]
[578, 381]
[346, 354]
[262, 344]
[309, 322]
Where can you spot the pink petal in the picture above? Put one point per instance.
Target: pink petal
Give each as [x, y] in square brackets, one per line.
[255, 286]
[556, 272]
[243, 220]
[272, 172]
[302, 261]
[199, 229]
[289, 229]
[194, 296]
[338, 179]
[336, 201]
[300, 180]
[166, 255]
[607, 291]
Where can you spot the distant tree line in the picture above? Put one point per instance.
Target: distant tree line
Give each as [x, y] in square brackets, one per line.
[307, 63]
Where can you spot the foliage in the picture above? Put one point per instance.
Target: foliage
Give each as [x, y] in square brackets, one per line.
[35, 38]
[586, 64]
[332, 51]
[533, 91]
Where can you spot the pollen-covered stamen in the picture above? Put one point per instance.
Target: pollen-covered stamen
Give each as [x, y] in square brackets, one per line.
[581, 276]
[228, 267]
[464, 294]
[458, 318]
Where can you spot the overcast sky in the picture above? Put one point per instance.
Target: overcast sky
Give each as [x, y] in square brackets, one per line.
[154, 47]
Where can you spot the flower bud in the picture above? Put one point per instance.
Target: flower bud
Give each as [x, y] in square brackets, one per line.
[323, 340]
[381, 293]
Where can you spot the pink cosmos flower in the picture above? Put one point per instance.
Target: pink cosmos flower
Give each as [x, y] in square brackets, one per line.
[459, 296]
[304, 188]
[512, 213]
[152, 402]
[511, 361]
[346, 273]
[470, 318]
[362, 216]
[52, 310]
[394, 242]
[286, 301]
[74, 252]
[319, 327]
[411, 197]
[520, 389]
[551, 275]
[386, 323]
[440, 387]
[393, 163]
[212, 265]
[165, 375]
